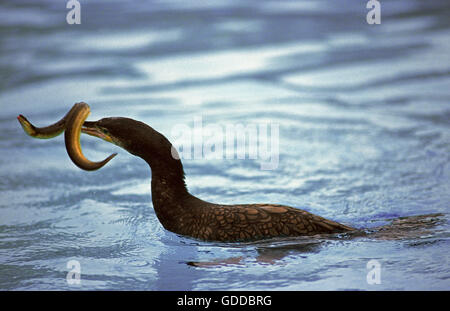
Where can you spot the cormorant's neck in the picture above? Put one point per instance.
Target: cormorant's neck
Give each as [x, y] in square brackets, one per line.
[168, 179]
[167, 170]
[169, 194]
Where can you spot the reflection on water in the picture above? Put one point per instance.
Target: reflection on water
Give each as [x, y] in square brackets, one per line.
[364, 139]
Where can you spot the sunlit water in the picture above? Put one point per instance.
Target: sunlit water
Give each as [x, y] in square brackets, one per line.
[363, 114]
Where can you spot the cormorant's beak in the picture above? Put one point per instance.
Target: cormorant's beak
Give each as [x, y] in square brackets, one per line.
[91, 128]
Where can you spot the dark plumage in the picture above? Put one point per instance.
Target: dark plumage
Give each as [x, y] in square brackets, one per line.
[182, 213]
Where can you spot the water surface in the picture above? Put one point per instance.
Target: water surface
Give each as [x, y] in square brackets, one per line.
[363, 114]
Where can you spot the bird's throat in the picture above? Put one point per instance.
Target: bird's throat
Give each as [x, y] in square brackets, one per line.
[169, 193]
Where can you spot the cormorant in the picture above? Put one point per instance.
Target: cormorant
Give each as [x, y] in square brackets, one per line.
[177, 209]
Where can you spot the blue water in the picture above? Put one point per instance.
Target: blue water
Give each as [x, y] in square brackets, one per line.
[364, 137]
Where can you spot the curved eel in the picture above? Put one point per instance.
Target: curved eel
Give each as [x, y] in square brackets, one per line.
[71, 123]
[46, 132]
[72, 139]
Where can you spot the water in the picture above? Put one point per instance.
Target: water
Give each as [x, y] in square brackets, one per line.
[363, 113]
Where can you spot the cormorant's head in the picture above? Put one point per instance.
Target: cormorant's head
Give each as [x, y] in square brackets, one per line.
[134, 136]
